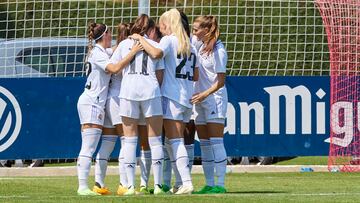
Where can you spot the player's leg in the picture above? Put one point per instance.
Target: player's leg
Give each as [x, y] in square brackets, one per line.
[166, 167]
[130, 112]
[123, 185]
[108, 141]
[174, 128]
[189, 138]
[91, 119]
[145, 158]
[152, 111]
[207, 156]
[220, 158]
[215, 124]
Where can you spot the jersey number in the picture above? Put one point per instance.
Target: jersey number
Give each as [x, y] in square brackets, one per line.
[88, 70]
[178, 73]
[144, 65]
[87, 67]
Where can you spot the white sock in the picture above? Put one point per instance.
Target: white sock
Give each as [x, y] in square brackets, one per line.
[157, 155]
[182, 160]
[217, 144]
[122, 172]
[166, 168]
[130, 144]
[101, 161]
[207, 161]
[145, 165]
[190, 152]
[90, 139]
[178, 181]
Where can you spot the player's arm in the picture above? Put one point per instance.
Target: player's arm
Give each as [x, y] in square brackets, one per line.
[199, 97]
[152, 51]
[117, 67]
[196, 74]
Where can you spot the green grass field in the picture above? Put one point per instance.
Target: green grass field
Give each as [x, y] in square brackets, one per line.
[245, 187]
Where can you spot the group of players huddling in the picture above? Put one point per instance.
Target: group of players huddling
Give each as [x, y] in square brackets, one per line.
[148, 86]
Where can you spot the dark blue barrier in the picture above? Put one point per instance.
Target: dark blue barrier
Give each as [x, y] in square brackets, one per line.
[49, 125]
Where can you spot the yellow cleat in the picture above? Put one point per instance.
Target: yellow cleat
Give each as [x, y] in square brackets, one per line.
[121, 190]
[101, 190]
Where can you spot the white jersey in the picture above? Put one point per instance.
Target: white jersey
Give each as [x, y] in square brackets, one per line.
[210, 66]
[96, 87]
[115, 79]
[179, 72]
[139, 82]
[115, 85]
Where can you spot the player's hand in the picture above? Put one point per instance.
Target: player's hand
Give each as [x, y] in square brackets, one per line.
[135, 37]
[137, 47]
[198, 98]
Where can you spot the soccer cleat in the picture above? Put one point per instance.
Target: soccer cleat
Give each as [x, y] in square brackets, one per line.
[144, 190]
[121, 190]
[217, 190]
[174, 189]
[87, 192]
[165, 188]
[130, 191]
[185, 190]
[101, 190]
[204, 190]
[158, 190]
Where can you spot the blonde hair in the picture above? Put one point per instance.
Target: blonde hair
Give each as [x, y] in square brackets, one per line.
[212, 36]
[172, 19]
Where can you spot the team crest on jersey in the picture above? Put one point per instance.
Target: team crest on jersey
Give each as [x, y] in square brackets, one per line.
[100, 116]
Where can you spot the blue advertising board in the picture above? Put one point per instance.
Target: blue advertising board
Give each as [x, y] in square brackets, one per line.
[267, 116]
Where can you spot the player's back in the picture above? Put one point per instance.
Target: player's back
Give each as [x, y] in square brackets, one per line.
[179, 72]
[139, 80]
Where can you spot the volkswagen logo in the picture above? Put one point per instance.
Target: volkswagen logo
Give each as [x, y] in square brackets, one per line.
[10, 119]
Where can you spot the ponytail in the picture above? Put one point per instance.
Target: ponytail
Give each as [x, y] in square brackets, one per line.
[172, 19]
[142, 25]
[95, 33]
[91, 28]
[123, 31]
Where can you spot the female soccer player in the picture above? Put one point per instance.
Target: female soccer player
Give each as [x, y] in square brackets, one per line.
[112, 126]
[145, 152]
[91, 103]
[189, 133]
[140, 95]
[210, 101]
[177, 88]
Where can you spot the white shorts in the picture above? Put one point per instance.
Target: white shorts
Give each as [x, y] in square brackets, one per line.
[112, 112]
[175, 111]
[134, 109]
[90, 114]
[142, 120]
[211, 110]
[193, 115]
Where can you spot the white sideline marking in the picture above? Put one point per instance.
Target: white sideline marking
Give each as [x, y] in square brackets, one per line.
[33, 178]
[13, 196]
[113, 170]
